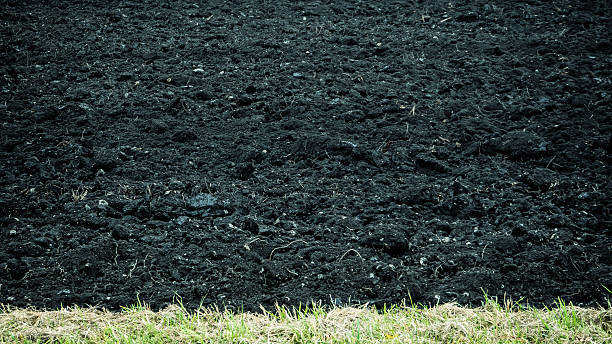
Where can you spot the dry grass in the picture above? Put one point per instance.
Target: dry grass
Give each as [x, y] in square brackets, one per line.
[448, 323]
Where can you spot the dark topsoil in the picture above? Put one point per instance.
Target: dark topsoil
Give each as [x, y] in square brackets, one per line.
[343, 151]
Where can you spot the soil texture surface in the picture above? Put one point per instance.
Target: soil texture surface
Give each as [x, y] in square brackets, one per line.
[242, 153]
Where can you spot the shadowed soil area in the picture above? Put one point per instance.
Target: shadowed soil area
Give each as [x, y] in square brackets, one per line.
[251, 152]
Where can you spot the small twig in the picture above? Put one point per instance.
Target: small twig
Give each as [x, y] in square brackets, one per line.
[349, 250]
[436, 271]
[246, 245]
[551, 160]
[574, 264]
[483, 250]
[282, 247]
[502, 103]
[151, 275]
[133, 268]
[381, 147]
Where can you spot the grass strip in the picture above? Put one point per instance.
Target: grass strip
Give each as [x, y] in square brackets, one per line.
[493, 322]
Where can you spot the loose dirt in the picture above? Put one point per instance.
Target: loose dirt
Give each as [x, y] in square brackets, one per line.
[247, 153]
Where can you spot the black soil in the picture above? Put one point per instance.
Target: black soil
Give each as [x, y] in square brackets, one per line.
[248, 153]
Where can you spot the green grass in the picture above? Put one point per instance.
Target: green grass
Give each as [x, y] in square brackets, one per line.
[494, 322]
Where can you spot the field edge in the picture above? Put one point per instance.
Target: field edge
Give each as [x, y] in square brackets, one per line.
[494, 321]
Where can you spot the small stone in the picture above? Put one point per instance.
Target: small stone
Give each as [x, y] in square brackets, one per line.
[181, 220]
[544, 100]
[151, 239]
[201, 201]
